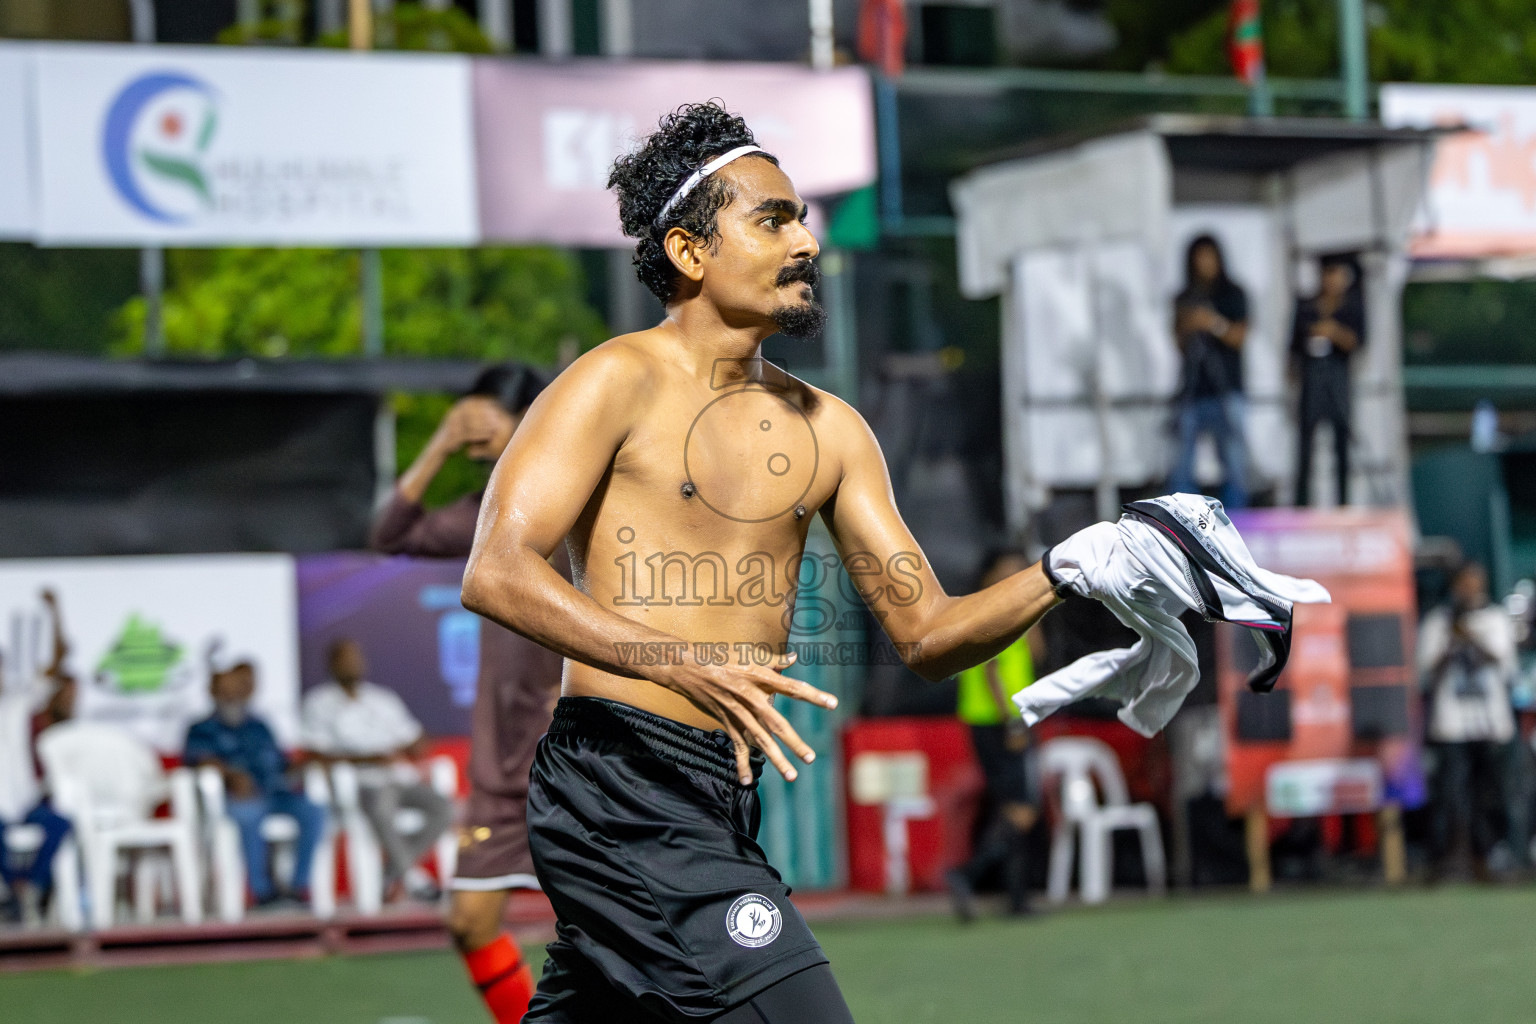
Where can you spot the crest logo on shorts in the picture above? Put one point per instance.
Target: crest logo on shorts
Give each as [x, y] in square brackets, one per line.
[753, 921]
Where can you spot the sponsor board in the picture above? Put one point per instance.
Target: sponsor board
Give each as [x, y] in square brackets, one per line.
[198, 146]
[139, 632]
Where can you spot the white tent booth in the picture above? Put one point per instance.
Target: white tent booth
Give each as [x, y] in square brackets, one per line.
[1084, 239]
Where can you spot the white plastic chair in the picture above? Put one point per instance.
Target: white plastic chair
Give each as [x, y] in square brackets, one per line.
[65, 910]
[1088, 770]
[365, 857]
[108, 783]
[226, 856]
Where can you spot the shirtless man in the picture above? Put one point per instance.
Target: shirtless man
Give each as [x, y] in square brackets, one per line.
[682, 471]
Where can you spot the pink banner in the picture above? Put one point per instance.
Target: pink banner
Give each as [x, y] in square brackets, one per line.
[1482, 186]
[548, 133]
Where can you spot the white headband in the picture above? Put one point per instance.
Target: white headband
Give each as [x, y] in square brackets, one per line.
[692, 181]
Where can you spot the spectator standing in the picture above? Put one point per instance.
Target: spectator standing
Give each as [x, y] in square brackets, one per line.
[1466, 659]
[1210, 325]
[517, 688]
[256, 779]
[1328, 329]
[1002, 744]
[350, 719]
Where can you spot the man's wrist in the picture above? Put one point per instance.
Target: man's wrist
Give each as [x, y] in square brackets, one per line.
[440, 447]
[1059, 587]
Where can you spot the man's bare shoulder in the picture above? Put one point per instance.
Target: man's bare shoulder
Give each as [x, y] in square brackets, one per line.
[621, 368]
[836, 421]
[841, 430]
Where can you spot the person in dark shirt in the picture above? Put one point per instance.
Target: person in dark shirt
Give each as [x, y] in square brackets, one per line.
[518, 685]
[1210, 326]
[256, 780]
[479, 424]
[1327, 330]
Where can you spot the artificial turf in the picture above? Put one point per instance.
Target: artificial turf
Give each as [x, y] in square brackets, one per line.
[1458, 955]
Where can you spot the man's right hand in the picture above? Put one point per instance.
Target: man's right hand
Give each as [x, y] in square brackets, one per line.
[740, 698]
[466, 422]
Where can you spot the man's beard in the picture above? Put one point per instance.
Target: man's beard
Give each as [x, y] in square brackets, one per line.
[800, 320]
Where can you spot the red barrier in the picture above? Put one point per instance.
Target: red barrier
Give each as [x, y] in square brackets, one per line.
[936, 843]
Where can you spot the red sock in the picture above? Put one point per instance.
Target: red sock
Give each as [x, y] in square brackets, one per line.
[504, 981]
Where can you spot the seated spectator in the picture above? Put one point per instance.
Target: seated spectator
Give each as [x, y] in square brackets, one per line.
[26, 709]
[28, 877]
[256, 781]
[350, 719]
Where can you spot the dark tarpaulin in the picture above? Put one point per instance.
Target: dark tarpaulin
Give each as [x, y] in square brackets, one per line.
[113, 457]
[179, 473]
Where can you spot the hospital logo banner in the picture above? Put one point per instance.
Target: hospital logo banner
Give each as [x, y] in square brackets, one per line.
[193, 146]
[142, 633]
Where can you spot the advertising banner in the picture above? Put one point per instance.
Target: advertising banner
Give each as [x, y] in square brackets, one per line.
[405, 614]
[1349, 691]
[1482, 195]
[547, 134]
[139, 633]
[195, 146]
[15, 143]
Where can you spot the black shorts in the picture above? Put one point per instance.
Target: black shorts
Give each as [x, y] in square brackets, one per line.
[645, 843]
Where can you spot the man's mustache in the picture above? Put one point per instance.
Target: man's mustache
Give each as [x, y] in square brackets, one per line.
[805, 271]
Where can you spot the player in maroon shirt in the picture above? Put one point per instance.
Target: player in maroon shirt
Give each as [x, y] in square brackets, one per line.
[519, 684]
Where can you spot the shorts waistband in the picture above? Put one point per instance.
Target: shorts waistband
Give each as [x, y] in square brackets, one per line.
[686, 746]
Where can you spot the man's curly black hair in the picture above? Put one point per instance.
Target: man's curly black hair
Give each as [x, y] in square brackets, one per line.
[683, 141]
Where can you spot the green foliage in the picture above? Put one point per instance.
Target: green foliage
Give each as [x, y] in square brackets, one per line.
[1144, 29]
[486, 303]
[277, 21]
[408, 26]
[1491, 41]
[414, 27]
[62, 299]
[446, 303]
[1469, 322]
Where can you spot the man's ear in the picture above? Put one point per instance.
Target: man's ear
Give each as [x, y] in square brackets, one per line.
[685, 252]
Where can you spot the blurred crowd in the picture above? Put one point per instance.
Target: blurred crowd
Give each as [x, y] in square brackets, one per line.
[60, 798]
[1474, 665]
[259, 831]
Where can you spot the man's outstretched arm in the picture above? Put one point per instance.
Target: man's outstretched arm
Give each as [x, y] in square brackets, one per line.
[936, 634]
[556, 459]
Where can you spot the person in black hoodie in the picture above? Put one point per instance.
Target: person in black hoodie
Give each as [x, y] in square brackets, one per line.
[1210, 324]
[1328, 329]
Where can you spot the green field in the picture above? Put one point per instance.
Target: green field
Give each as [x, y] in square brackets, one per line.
[1458, 955]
